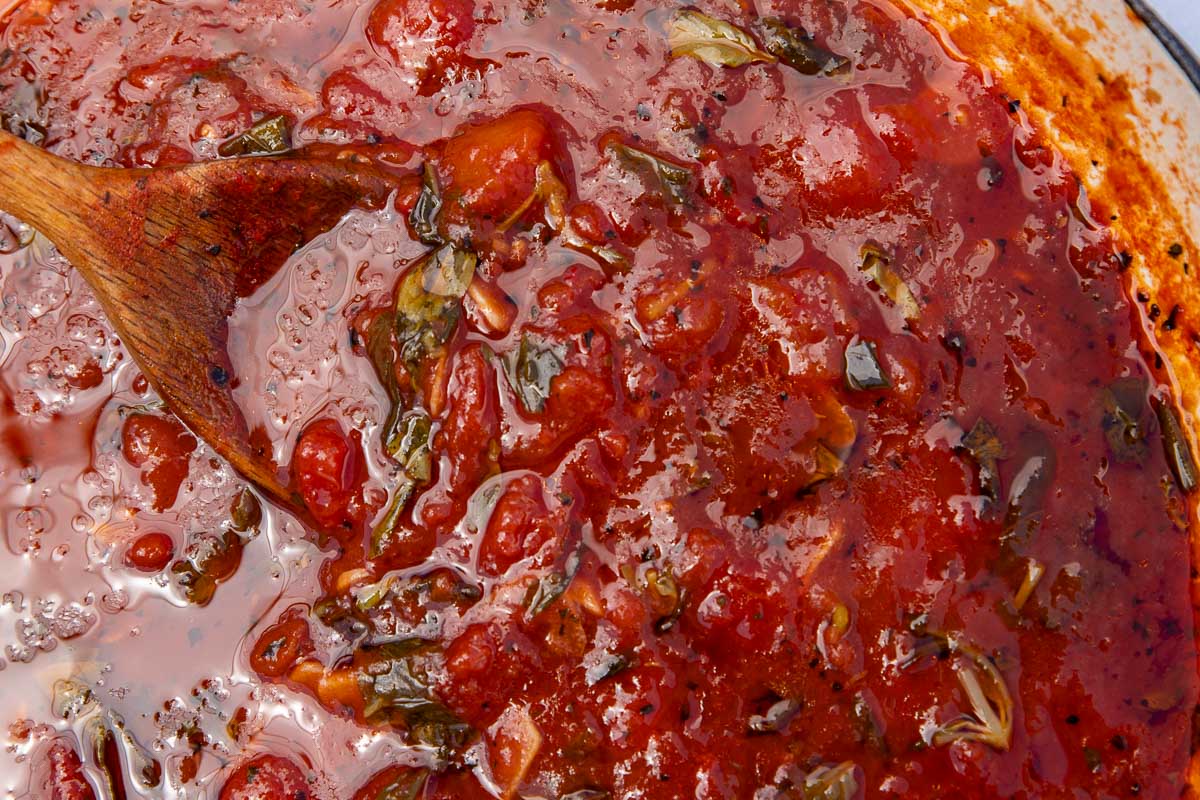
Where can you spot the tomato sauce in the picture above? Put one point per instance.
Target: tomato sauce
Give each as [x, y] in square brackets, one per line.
[732, 402]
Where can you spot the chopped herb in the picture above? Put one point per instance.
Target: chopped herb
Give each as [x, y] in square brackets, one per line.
[984, 446]
[428, 304]
[245, 512]
[713, 41]
[395, 687]
[532, 368]
[272, 135]
[381, 534]
[794, 47]
[863, 370]
[424, 214]
[674, 181]
[1124, 404]
[1179, 451]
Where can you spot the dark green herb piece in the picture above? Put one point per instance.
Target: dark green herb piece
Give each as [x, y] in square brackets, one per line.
[245, 512]
[210, 561]
[794, 47]
[381, 534]
[532, 368]
[395, 690]
[1027, 495]
[424, 214]
[543, 593]
[674, 181]
[428, 303]
[1124, 406]
[587, 794]
[984, 446]
[1179, 451]
[863, 370]
[713, 41]
[272, 135]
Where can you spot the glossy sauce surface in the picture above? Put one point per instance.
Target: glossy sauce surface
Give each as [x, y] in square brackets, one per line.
[791, 435]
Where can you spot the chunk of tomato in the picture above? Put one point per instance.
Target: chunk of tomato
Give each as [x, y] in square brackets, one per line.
[328, 470]
[267, 777]
[489, 170]
[162, 448]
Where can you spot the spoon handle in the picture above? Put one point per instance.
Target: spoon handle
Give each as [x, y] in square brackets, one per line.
[48, 192]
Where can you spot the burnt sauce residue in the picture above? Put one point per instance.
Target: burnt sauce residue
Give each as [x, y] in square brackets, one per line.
[729, 403]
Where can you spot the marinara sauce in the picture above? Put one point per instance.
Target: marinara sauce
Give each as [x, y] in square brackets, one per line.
[733, 401]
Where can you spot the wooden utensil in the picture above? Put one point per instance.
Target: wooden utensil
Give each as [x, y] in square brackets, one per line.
[169, 251]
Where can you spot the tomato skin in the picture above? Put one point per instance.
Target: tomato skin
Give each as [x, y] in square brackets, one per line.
[328, 470]
[150, 552]
[267, 777]
[63, 778]
[162, 448]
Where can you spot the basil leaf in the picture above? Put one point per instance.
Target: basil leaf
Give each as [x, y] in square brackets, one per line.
[272, 135]
[713, 41]
[1179, 452]
[532, 368]
[674, 181]
[428, 303]
[984, 445]
[424, 214]
[395, 688]
[795, 48]
[1124, 406]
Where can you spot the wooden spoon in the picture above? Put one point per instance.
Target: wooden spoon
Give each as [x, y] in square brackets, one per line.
[168, 252]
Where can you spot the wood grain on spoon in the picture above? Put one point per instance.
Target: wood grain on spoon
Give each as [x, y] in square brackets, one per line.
[168, 252]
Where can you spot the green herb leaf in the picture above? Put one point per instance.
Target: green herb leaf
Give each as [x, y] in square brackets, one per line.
[395, 687]
[863, 371]
[532, 368]
[424, 214]
[1179, 451]
[878, 268]
[210, 561]
[794, 47]
[674, 181]
[428, 303]
[272, 135]
[1124, 405]
[984, 446]
[381, 534]
[713, 41]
